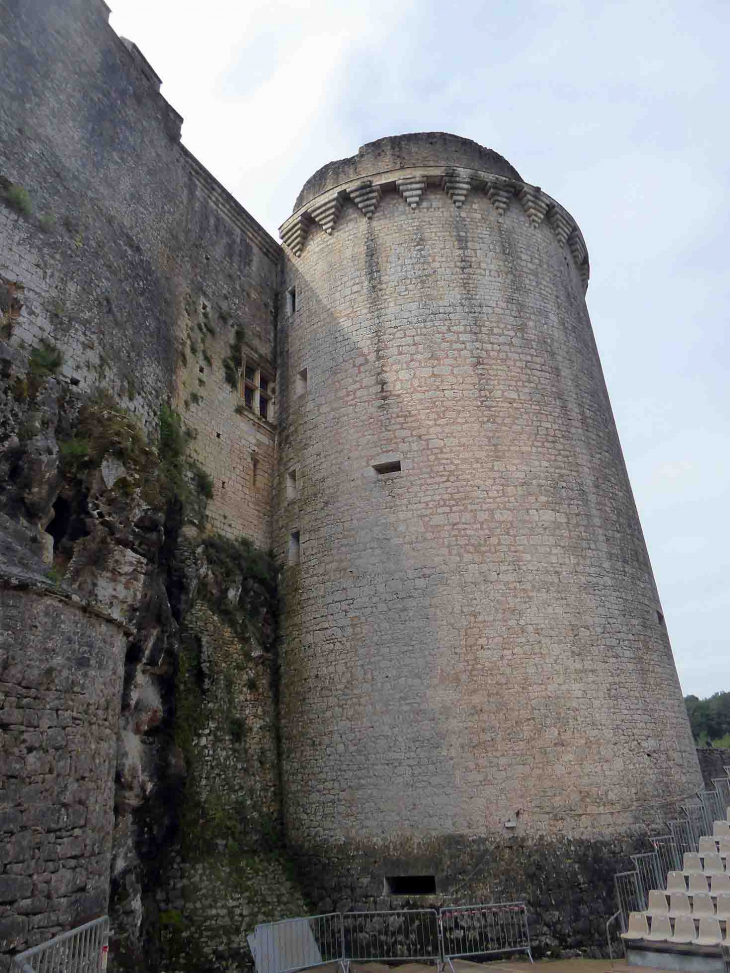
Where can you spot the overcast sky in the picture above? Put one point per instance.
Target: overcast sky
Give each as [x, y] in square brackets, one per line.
[617, 109]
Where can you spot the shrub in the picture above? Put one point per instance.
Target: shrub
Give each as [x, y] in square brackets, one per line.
[18, 199]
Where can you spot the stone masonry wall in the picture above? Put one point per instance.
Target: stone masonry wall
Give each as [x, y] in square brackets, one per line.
[473, 643]
[59, 712]
[126, 237]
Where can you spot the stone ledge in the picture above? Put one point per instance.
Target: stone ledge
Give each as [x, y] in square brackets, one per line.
[33, 584]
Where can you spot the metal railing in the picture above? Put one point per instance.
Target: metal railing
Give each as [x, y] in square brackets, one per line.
[722, 786]
[81, 950]
[477, 930]
[382, 936]
[669, 858]
[683, 835]
[699, 820]
[712, 801]
[298, 944]
[650, 877]
[428, 935]
[629, 896]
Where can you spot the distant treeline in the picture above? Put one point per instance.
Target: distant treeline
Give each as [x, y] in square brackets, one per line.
[710, 719]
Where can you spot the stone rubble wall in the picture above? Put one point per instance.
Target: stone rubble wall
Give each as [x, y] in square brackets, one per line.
[59, 714]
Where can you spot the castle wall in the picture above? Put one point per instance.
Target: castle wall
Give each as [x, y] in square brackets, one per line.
[59, 712]
[127, 238]
[472, 645]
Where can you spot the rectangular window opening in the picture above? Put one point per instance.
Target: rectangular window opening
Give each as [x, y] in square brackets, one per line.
[292, 490]
[263, 407]
[294, 547]
[302, 381]
[254, 470]
[410, 885]
[391, 467]
[291, 300]
[660, 618]
[248, 397]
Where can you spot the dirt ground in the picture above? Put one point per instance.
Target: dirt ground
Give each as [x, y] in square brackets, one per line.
[504, 966]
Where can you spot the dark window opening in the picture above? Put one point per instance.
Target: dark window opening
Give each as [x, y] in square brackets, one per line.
[291, 300]
[250, 373]
[248, 397]
[201, 369]
[263, 406]
[410, 885]
[392, 467]
[264, 384]
[254, 469]
[660, 618]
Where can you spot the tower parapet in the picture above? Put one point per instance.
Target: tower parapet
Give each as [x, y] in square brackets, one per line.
[413, 181]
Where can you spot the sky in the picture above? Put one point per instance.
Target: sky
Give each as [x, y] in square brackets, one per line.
[619, 110]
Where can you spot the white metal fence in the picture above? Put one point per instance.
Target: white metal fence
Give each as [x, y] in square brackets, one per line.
[427, 935]
[297, 944]
[395, 935]
[81, 950]
[477, 930]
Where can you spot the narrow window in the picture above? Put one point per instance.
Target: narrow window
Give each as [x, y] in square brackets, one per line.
[254, 470]
[248, 397]
[660, 618]
[392, 467]
[294, 547]
[263, 406]
[410, 885]
[291, 300]
[292, 491]
[302, 381]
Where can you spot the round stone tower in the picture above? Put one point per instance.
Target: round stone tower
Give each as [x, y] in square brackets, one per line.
[473, 642]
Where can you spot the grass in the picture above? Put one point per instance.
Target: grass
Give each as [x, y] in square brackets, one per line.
[45, 359]
[18, 199]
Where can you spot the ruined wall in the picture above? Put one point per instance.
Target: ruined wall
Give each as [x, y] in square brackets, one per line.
[473, 641]
[59, 713]
[713, 761]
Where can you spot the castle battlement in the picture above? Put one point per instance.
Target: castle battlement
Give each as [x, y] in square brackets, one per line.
[413, 182]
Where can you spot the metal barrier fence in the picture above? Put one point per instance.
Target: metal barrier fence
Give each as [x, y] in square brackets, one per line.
[722, 786]
[648, 870]
[683, 836]
[699, 821]
[669, 858]
[629, 896]
[476, 930]
[81, 950]
[297, 944]
[712, 801]
[405, 934]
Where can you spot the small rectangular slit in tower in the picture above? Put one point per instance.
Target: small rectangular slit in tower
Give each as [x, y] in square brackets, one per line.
[302, 381]
[294, 547]
[291, 300]
[292, 491]
[254, 470]
[392, 467]
[410, 885]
